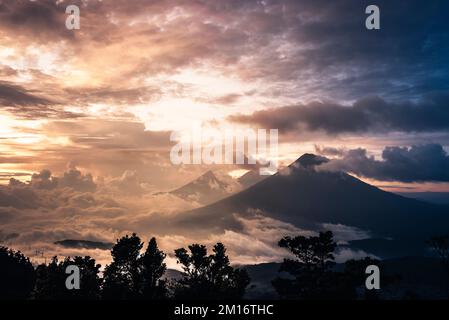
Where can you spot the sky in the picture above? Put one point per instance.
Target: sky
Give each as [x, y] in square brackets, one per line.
[91, 110]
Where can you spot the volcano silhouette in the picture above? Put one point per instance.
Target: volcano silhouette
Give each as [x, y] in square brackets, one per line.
[306, 196]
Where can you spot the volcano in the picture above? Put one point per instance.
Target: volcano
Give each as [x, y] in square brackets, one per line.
[304, 195]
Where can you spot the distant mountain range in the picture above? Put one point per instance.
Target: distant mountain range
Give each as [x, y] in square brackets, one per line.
[307, 197]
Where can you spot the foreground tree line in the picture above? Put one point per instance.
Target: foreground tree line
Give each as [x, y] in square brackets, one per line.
[134, 274]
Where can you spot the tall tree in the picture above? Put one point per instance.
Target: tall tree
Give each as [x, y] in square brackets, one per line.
[153, 268]
[17, 275]
[122, 277]
[209, 276]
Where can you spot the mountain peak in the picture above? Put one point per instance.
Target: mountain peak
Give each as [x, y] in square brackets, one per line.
[205, 189]
[208, 175]
[309, 160]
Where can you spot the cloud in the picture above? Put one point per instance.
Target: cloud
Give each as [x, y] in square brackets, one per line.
[418, 163]
[7, 236]
[367, 115]
[14, 95]
[343, 254]
[112, 147]
[43, 180]
[329, 151]
[109, 134]
[76, 180]
[41, 18]
[86, 244]
[113, 95]
[343, 234]
[19, 197]
[27, 104]
[73, 179]
[321, 48]
[132, 56]
[128, 183]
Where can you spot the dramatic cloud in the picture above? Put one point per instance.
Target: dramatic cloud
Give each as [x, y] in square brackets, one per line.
[407, 164]
[104, 99]
[367, 115]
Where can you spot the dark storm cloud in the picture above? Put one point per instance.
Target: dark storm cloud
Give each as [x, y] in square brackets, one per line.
[366, 115]
[418, 163]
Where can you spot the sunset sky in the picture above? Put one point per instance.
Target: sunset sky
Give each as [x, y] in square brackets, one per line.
[99, 103]
[104, 98]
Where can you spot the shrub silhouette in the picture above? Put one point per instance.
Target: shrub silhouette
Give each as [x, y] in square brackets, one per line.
[209, 276]
[17, 275]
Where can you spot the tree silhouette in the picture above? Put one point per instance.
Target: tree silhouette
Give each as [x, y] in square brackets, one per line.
[132, 275]
[17, 275]
[313, 276]
[51, 279]
[153, 268]
[122, 277]
[209, 276]
[311, 273]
